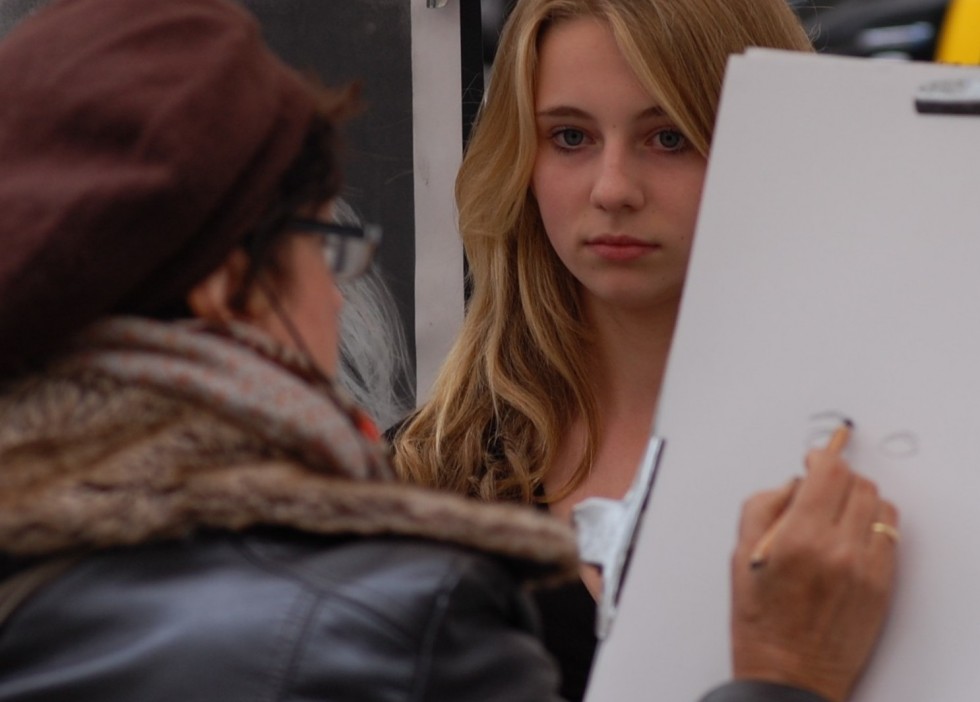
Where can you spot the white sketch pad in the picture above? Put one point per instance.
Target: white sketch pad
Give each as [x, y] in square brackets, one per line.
[836, 267]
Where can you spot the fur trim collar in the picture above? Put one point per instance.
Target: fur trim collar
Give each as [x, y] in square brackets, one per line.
[151, 431]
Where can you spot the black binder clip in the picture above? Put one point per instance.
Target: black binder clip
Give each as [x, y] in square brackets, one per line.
[607, 531]
[949, 97]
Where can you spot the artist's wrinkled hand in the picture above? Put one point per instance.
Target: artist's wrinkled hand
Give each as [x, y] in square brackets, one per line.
[810, 616]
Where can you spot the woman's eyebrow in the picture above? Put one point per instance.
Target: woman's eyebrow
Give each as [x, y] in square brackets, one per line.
[564, 111]
[569, 111]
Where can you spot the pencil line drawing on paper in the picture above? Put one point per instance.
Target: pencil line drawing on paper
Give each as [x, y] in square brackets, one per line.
[901, 444]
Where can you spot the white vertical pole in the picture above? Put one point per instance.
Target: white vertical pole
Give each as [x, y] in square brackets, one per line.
[437, 107]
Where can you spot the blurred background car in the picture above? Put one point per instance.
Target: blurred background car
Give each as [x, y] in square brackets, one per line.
[918, 30]
[902, 29]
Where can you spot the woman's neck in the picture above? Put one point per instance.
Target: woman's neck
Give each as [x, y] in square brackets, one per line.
[630, 356]
[628, 360]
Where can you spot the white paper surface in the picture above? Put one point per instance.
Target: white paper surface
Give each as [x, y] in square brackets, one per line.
[836, 268]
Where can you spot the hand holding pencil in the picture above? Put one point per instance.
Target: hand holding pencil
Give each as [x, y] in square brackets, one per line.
[812, 576]
[836, 444]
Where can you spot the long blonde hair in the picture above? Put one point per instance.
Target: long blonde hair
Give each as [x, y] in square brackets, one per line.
[518, 373]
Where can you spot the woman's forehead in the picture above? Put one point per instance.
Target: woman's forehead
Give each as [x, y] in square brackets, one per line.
[580, 66]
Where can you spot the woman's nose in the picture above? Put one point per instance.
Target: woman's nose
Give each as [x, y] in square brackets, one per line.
[617, 182]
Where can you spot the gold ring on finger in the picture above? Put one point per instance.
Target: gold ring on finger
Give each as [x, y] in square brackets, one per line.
[886, 529]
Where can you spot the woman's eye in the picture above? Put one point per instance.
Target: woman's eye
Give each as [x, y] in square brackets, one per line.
[670, 139]
[569, 138]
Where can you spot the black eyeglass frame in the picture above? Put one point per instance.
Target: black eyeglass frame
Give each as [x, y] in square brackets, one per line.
[336, 237]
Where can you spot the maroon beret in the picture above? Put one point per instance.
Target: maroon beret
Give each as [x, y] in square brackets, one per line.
[140, 140]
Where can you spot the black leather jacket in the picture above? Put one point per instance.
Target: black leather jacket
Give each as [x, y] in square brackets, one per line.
[278, 617]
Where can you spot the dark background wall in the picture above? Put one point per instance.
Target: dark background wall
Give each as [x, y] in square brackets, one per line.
[370, 41]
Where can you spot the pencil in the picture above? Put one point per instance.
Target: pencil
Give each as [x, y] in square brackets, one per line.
[840, 437]
[836, 444]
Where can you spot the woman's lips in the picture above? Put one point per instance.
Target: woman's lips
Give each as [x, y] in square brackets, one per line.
[620, 248]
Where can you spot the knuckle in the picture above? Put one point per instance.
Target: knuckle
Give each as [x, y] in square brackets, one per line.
[800, 548]
[815, 459]
[827, 465]
[837, 470]
[890, 512]
[844, 560]
[866, 490]
[866, 486]
[753, 502]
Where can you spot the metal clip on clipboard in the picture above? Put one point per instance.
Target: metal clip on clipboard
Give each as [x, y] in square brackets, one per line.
[949, 97]
[607, 531]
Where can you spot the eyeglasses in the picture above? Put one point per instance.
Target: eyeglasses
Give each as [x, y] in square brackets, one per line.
[349, 248]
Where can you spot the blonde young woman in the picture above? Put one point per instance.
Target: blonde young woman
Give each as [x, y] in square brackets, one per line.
[577, 198]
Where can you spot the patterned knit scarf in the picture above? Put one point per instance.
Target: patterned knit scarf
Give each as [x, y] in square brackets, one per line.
[243, 375]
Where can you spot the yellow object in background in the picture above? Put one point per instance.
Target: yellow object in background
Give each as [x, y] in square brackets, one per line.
[959, 41]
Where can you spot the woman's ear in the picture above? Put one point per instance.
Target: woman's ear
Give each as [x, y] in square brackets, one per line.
[218, 298]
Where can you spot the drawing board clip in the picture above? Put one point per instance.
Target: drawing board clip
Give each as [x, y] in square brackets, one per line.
[960, 96]
[607, 531]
